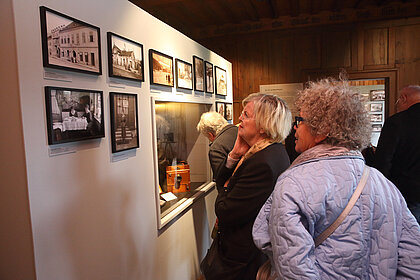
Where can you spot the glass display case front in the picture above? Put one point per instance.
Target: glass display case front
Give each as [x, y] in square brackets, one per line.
[182, 169]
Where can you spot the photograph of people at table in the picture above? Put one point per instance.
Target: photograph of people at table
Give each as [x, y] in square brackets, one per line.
[75, 114]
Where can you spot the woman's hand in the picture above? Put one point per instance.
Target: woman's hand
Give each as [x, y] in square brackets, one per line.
[240, 148]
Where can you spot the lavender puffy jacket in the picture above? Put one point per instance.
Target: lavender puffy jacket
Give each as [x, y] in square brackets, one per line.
[379, 239]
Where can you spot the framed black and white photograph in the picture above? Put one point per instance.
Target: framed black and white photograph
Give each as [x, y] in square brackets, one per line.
[70, 44]
[161, 69]
[376, 107]
[209, 77]
[124, 121]
[376, 127]
[220, 108]
[221, 82]
[125, 58]
[73, 114]
[198, 73]
[376, 117]
[228, 111]
[377, 95]
[183, 74]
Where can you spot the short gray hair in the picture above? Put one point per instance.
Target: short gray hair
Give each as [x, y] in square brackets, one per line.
[271, 114]
[211, 122]
[332, 108]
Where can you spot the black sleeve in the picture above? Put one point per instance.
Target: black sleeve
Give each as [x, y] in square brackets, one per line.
[217, 159]
[387, 145]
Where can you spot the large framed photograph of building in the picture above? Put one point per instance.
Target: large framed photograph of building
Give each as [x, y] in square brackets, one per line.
[70, 44]
[73, 114]
[125, 58]
[183, 74]
[161, 69]
[198, 73]
[124, 121]
[221, 82]
[209, 77]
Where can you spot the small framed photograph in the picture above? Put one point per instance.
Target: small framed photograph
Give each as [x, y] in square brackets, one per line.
[365, 96]
[228, 111]
[377, 95]
[220, 108]
[376, 127]
[161, 69]
[209, 77]
[125, 58]
[376, 117]
[73, 114]
[70, 44]
[198, 73]
[376, 107]
[221, 82]
[124, 121]
[183, 74]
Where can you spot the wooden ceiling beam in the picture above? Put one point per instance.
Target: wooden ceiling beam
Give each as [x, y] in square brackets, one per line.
[392, 11]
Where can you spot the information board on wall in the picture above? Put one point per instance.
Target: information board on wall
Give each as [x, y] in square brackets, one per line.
[287, 92]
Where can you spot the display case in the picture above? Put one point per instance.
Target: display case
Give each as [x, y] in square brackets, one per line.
[182, 169]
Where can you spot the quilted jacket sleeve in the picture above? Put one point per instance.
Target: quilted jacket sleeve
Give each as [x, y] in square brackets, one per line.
[292, 243]
[408, 248]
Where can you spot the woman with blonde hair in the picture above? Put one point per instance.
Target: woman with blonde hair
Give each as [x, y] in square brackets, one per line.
[330, 216]
[244, 182]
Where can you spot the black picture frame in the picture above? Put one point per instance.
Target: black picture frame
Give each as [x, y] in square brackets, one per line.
[69, 43]
[161, 67]
[198, 73]
[220, 108]
[125, 58]
[209, 81]
[228, 111]
[73, 114]
[124, 121]
[183, 74]
[221, 81]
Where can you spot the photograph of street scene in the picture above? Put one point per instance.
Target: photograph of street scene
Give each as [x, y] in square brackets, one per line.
[69, 43]
[183, 74]
[161, 69]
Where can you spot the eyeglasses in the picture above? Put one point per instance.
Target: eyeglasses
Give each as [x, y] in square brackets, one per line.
[245, 115]
[298, 120]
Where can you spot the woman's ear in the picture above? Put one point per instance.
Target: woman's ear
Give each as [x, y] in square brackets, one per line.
[319, 138]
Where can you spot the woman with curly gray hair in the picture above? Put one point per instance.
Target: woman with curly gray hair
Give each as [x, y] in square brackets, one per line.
[330, 216]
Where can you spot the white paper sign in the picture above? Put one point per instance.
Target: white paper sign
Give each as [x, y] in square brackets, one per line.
[287, 92]
[168, 196]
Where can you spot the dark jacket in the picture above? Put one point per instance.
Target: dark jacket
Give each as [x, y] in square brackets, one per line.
[398, 153]
[221, 147]
[238, 205]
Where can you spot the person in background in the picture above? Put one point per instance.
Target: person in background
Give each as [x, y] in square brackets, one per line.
[222, 136]
[397, 155]
[244, 182]
[378, 239]
[73, 112]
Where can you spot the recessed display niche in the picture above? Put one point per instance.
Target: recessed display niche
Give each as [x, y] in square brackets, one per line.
[182, 168]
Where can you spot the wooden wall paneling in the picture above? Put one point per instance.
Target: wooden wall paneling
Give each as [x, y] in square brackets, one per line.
[307, 48]
[237, 110]
[407, 53]
[360, 48]
[336, 49]
[376, 47]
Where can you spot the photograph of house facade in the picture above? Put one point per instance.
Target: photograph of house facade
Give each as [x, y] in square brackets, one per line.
[127, 58]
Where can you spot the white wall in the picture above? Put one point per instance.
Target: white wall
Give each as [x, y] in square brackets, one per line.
[93, 215]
